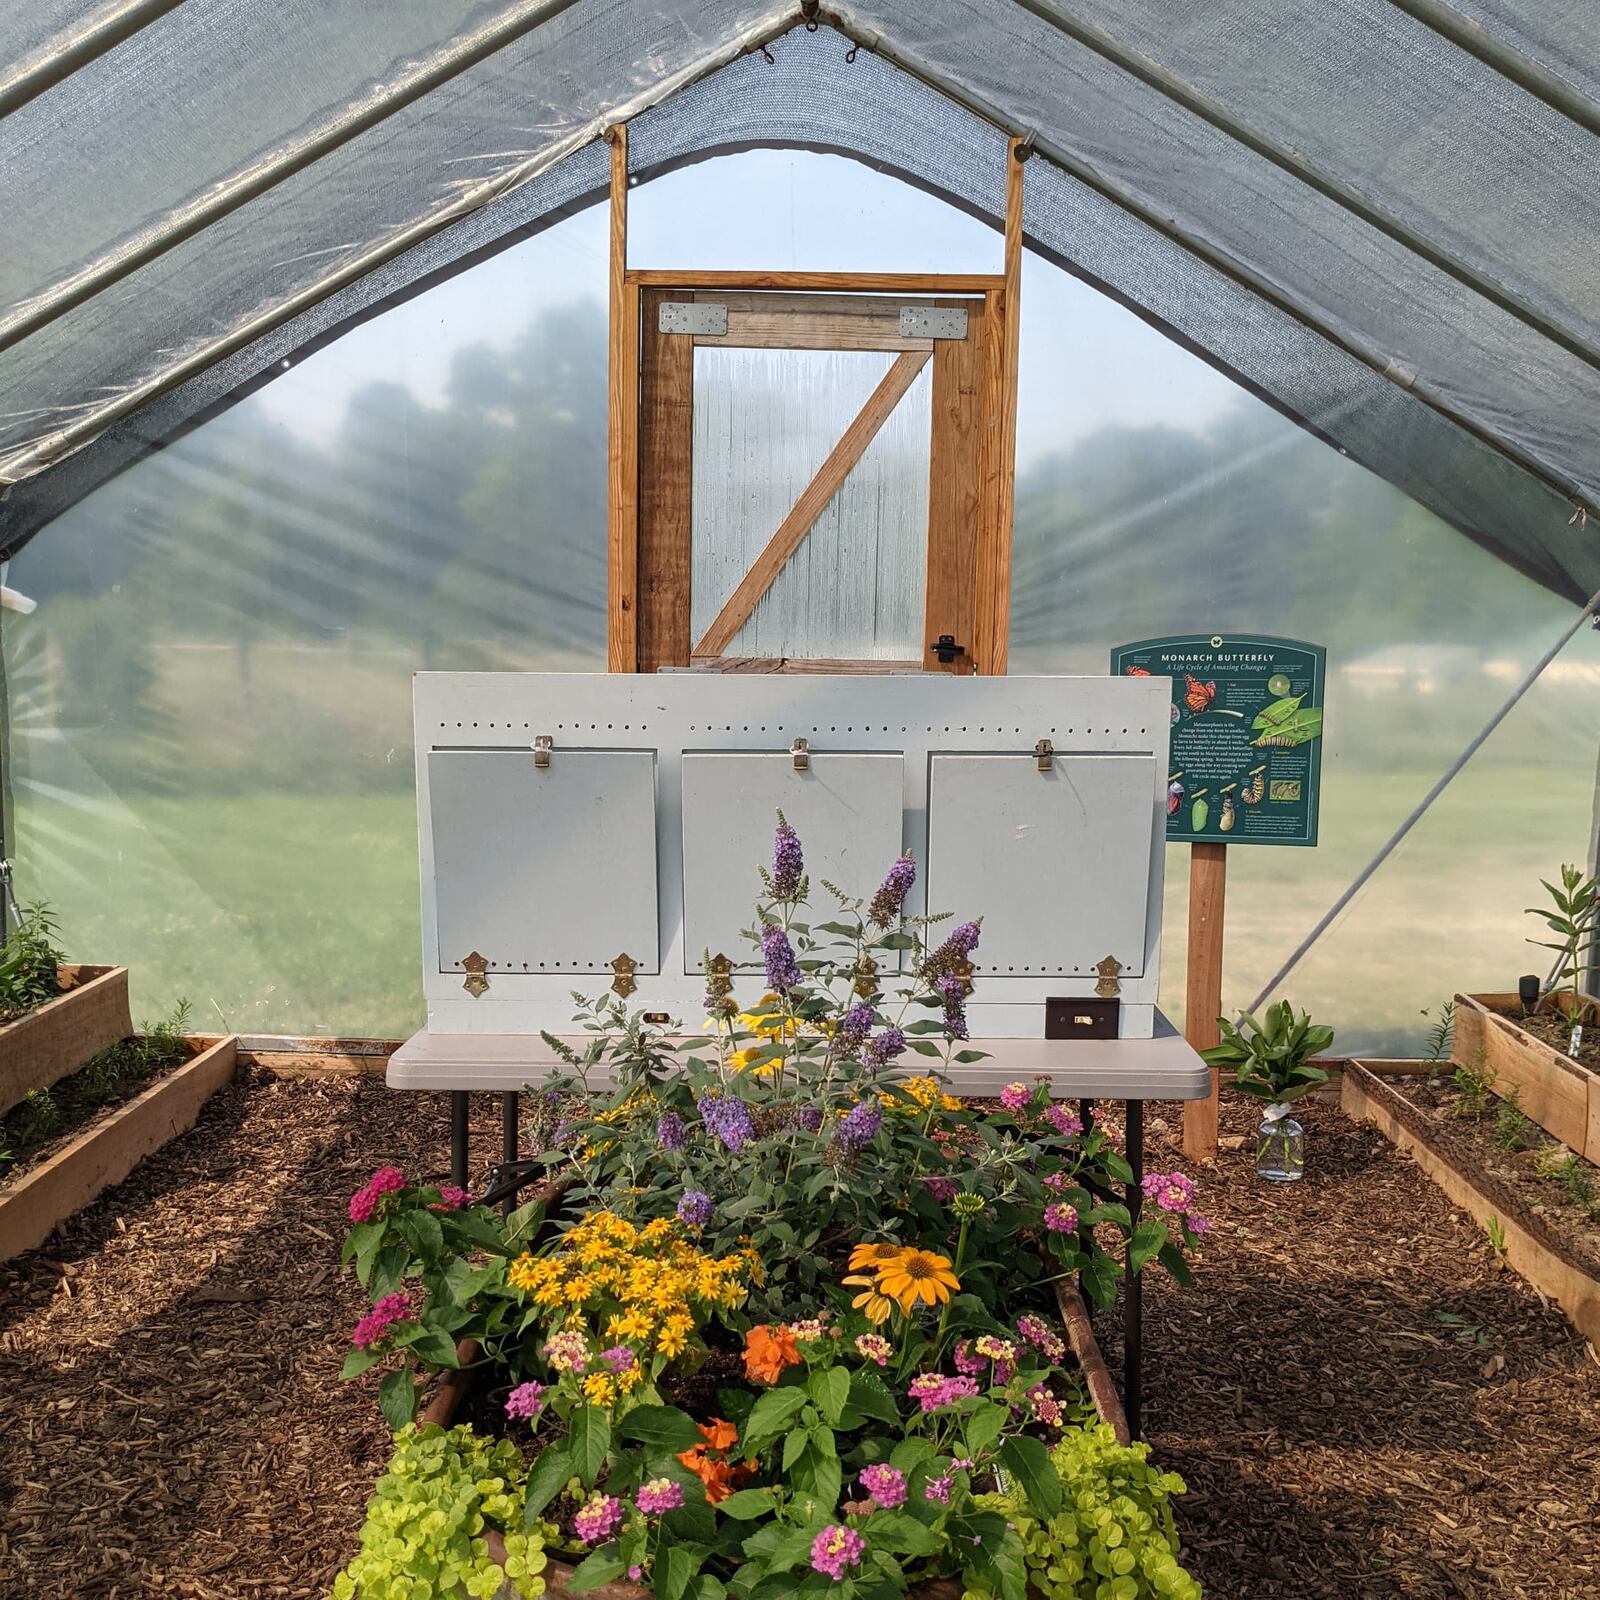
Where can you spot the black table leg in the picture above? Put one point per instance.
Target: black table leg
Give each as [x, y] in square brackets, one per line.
[1133, 1304]
[458, 1138]
[508, 1140]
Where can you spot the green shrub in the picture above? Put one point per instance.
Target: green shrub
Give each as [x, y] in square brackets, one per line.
[424, 1534]
[1114, 1537]
[28, 964]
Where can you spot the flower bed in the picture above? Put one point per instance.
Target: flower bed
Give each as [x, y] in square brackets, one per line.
[796, 1332]
[1538, 1201]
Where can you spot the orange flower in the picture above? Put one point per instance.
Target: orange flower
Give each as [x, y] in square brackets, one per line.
[718, 1434]
[875, 1257]
[919, 1276]
[719, 1477]
[768, 1350]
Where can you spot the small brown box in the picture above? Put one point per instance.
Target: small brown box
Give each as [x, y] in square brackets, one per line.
[1081, 1019]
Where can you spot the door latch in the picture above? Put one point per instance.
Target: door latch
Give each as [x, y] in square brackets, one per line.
[946, 648]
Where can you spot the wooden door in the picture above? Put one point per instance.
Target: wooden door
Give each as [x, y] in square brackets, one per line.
[785, 488]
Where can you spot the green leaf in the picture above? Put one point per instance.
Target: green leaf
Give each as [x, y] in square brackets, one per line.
[675, 1569]
[985, 1424]
[1299, 727]
[830, 1388]
[772, 1413]
[872, 1399]
[903, 1535]
[361, 1241]
[430, 1346]
[747, 1504]
[359, 1361]
[1172, 1258]
[923, 1048]
[546, 1479]
[591, 1438]
[421, 1230]
[967, 1057]
[794, 1446]
[1146, 1242]
[1027, 1460]
[1278, 712]
[598, 1568]
[1001, 1565]
[661, 1427]
[397, 1399]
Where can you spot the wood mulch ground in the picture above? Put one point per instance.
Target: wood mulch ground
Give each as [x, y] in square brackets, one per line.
[172, 1424]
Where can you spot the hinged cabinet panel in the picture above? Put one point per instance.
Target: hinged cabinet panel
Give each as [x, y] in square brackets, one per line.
[847, 809]
[548, 869]
[1059, 860]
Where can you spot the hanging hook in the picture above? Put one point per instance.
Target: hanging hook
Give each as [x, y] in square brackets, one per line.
[767, 56]
[808, 10]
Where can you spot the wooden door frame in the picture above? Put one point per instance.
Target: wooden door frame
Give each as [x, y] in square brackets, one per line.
[648, 524]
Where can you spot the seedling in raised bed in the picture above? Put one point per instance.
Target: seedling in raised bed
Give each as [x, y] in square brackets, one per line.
[1496, 1230]
[1573, 917]
[1511, 1124]
[1438, 1040]
[28, 964]
[1465, 1332]
[1570, 1170]
[1473, 1081]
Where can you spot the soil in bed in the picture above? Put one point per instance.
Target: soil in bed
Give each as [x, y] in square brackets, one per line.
[172, 1424]
[47, 1120]
[1555, 1030]
[1558, 1186]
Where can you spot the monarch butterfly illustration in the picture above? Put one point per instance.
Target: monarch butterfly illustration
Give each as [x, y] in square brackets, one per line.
[1137, 672]
[1198, 696]
[1174, 797]
[1257, 786]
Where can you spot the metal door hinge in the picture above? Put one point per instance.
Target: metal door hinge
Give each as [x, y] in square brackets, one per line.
[693, 316]
[1108, 967]
[475, 967]
[624, 967]
[932, 322]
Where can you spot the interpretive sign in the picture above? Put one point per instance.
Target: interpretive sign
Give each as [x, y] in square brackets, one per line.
[1246, 752]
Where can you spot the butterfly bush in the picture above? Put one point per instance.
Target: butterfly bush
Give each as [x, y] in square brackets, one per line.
[797, 1202]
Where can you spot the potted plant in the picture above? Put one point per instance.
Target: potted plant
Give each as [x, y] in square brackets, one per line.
[1272, 1061]
[1545, 1047]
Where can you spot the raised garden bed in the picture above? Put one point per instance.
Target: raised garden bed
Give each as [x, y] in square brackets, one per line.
[55, 1039]
[1535, 1218]
[70, 1173]
[1527, 1054]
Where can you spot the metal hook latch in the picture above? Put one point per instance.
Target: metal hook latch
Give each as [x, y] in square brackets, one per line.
[543, 744]
[1044, 753]
[800, 752]
[946, 648]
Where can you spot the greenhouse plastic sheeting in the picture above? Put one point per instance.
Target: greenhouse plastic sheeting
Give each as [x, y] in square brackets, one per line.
[811, 93]
[210, 743]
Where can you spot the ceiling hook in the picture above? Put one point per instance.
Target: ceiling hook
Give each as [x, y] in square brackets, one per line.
[808, 10]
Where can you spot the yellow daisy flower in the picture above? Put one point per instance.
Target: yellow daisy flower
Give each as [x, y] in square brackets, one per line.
[918, 1277]
[872, 1304]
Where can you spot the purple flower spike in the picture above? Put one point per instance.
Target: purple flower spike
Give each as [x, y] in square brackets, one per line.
[861, 1126]
[886, 903]
[783, 971]
[882, 1050]
[669, 1131]
[695, 1208]
[853, 1030]
[728, 1119]
[788, 861]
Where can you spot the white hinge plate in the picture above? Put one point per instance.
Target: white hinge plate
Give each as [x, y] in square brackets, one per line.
[693, 316]
[932, 322]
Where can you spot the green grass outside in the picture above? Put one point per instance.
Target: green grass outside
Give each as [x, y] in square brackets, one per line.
[278, 913]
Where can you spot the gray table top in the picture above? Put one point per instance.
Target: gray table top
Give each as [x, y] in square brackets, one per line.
[1163, 1067]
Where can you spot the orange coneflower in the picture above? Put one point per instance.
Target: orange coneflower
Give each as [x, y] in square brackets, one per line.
[871, 1302]
[875, 1257]
[919, 1276]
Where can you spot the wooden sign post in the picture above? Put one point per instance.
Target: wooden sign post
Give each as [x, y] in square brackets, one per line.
[1208, 889]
